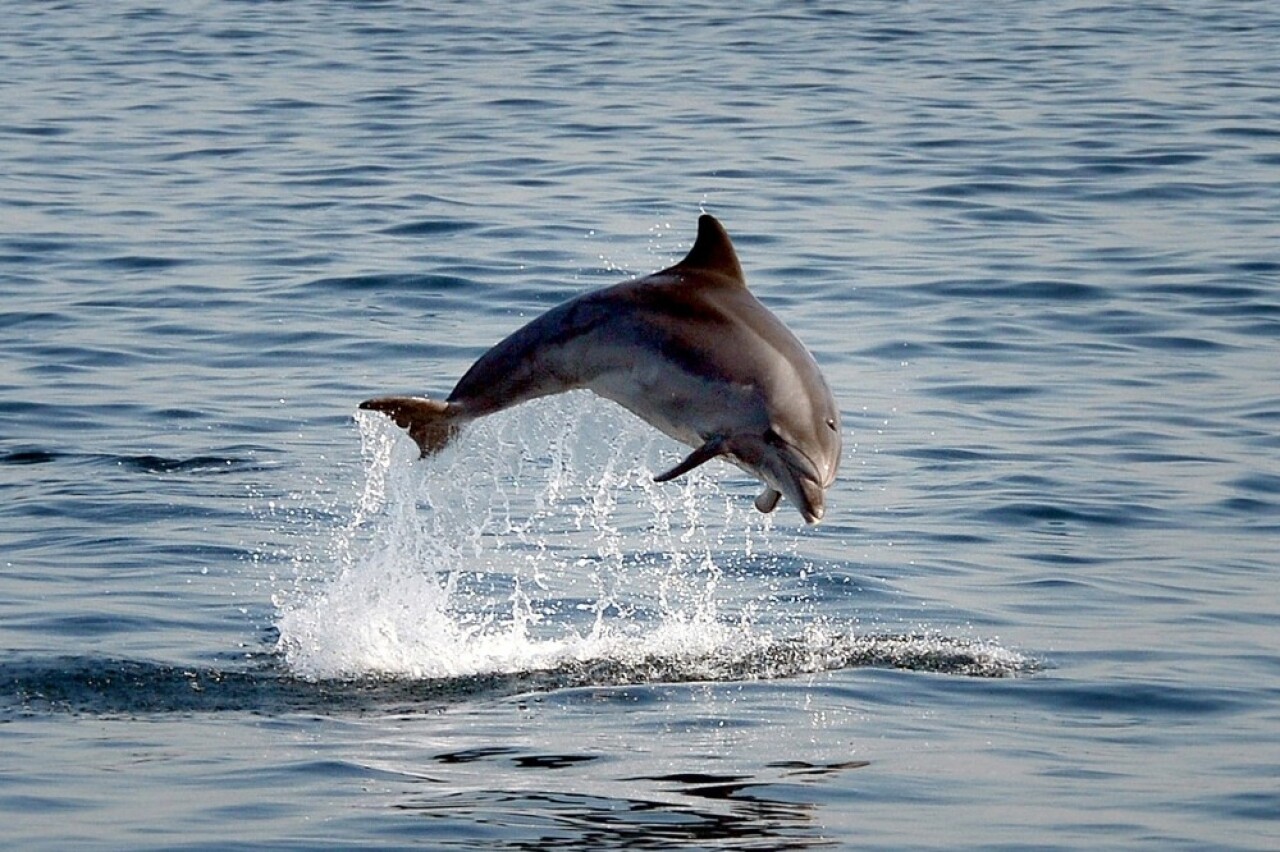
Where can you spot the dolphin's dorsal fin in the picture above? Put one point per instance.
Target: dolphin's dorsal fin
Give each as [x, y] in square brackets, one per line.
[713, 251]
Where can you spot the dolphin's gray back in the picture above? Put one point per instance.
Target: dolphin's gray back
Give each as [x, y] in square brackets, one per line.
[717, 335]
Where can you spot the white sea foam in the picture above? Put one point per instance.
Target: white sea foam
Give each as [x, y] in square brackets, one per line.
[537, 539]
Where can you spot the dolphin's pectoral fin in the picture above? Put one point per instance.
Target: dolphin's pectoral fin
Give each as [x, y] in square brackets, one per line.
[429, 422]
[712, 448]
[768, 500]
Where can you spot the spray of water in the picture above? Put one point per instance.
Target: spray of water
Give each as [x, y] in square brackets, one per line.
[538, 542]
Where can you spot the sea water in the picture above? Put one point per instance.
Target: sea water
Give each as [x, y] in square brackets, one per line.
[1033, 247]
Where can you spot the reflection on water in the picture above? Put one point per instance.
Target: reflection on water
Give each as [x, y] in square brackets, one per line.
[741, 811]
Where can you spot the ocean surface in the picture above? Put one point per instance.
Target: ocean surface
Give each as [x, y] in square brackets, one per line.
[1035, 247]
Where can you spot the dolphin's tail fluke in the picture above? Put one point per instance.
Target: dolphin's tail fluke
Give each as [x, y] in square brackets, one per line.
[429, 422]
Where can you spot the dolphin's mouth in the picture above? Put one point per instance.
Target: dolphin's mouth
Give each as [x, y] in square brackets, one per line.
[809, 498]
[814, 505]
[796, 476]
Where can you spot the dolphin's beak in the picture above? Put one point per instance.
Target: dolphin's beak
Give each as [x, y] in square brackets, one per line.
[811, 500]
[813, 514]
[798, 479]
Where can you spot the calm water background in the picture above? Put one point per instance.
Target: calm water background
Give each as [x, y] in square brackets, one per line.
[1035, 247]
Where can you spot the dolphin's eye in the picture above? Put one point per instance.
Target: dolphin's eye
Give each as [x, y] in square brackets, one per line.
[831, 423]
[772, 437]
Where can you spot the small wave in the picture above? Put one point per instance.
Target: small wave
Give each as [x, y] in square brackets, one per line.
[142, 263]
[192, 464]
[1048, 290]
[23, 457]
[671, 653]
[144, 463]
[384, 283]
[752, 658]
[124, 687]
[430, 228]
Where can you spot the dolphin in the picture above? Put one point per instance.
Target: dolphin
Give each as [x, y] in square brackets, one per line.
[690, 351]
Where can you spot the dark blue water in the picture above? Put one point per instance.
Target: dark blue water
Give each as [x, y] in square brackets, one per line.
[1034, 248]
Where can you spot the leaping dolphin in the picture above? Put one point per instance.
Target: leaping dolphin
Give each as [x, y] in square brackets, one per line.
[690, 351]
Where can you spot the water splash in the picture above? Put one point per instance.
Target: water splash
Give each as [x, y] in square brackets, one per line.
[538, 543]
[537, 538]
